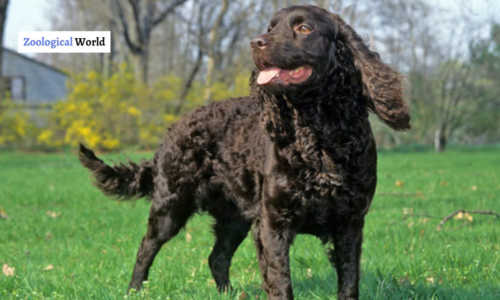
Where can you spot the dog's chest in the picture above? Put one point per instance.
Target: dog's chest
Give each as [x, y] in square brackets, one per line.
[318, 185]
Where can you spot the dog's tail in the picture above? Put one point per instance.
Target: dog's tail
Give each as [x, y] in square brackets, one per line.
[124, 181]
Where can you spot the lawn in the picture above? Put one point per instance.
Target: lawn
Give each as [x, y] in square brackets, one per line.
[67, 241]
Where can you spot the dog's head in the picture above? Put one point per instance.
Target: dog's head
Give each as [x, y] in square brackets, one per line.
[306, 49]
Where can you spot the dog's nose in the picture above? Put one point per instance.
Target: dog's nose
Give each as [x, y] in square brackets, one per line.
[261, 42]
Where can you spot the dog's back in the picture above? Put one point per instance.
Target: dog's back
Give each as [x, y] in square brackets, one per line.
[214, 148]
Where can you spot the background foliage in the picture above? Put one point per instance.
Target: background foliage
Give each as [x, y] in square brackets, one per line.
[169, 57]
[107, 113]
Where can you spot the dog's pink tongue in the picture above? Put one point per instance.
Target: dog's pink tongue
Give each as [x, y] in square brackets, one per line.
[266, 75]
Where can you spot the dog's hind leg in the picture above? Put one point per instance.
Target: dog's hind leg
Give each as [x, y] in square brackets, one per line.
[228, 236]
[168, 215]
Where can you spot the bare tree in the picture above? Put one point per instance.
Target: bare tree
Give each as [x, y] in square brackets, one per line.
[450, 112]
[86, 15]
[137, 33]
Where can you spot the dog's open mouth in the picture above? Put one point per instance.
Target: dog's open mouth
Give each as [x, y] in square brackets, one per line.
[277, 75]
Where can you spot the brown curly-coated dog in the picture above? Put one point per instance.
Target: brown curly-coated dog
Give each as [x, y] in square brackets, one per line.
[297, 156]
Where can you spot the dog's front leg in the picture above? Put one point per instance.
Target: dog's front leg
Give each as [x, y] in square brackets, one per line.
[347, 239]
[273, 246]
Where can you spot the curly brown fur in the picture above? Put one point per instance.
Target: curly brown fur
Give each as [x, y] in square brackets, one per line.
[382, 87]
[296, 156]
[122, 181]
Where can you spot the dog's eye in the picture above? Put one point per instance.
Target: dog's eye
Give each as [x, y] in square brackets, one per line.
[269, 28]
[304, 29]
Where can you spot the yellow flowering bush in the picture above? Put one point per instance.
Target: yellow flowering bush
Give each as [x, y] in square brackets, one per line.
[111, 113]
[15, 124]
[101, 113]
[240, 87]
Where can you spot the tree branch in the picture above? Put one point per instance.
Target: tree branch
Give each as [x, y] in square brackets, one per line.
[166, 12]
[136, 13]
[450, 216]
[133, 47]
[411, 216]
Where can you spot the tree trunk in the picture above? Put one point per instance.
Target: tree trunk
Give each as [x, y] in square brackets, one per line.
[211, 55]
[143, 61]
[3, 16]
[440, 140]
[143, 23]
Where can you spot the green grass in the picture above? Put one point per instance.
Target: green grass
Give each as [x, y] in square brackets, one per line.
[93, 242]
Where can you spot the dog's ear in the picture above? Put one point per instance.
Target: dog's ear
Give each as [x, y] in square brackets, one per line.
[382, 85]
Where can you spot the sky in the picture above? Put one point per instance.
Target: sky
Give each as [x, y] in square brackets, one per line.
[26, 15]
[34, 15]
